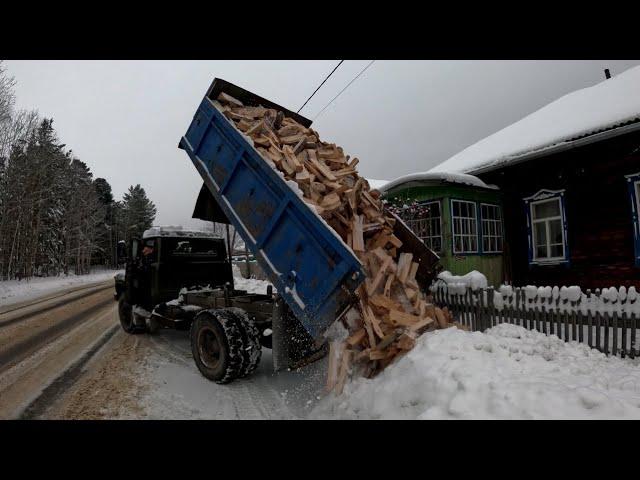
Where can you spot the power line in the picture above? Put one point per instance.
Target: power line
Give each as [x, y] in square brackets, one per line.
[314, 92]
[340, 93]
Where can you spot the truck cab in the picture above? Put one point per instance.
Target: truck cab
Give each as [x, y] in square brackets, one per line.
[184, 280]
[166, 260]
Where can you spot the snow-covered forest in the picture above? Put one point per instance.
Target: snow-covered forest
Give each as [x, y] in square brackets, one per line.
[55, 217]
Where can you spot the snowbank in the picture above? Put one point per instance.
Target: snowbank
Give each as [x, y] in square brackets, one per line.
[14, 291]
[507, 372]
[458, 284]
[449, 177]
[608, 104]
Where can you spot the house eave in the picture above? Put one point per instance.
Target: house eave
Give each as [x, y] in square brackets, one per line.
[560, 147]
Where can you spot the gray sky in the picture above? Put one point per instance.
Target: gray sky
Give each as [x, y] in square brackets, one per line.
[125, 118]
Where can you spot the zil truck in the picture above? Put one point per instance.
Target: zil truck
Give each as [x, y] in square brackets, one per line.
[183, 280]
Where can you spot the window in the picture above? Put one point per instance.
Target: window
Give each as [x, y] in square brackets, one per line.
[177, 247]
[464, 225]
[491, 228]
[547, 227]
[634, 194]
[428, 226]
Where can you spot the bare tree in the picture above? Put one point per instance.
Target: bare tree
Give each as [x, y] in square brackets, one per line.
[7, 95]
[20, 125]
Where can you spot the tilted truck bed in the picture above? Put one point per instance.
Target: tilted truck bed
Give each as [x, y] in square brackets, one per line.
[310, 266]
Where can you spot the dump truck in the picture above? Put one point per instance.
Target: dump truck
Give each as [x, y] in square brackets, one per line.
[313, 272]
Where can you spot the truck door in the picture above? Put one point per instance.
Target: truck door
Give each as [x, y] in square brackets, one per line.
[148, 266]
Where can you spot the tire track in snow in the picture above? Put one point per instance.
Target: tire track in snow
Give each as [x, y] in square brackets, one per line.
[62, 303]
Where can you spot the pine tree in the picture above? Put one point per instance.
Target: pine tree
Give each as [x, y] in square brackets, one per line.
[54, 217]
[105, 234]
[138, 213]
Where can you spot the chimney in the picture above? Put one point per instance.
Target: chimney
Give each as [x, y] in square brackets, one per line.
[607, 74]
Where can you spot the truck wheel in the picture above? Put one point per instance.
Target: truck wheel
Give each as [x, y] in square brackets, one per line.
[216, 345]
[125, 312]
[252, 348]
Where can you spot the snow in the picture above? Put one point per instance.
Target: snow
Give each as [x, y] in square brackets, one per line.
[458, 284]
[376, 184]
[177, 390]
[14, 291]
[603, 106]
[461, 178]
[551, 299]
[251, 285]
[176, 231]
[507, 372]
[571, 299]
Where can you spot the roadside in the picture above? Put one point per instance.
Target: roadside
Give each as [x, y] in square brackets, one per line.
[110, 385]
[154, 377]
[38, 347]
[14, 293]
[506, 372]
[64, 356]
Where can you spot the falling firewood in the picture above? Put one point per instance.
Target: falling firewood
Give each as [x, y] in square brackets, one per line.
[393, 308]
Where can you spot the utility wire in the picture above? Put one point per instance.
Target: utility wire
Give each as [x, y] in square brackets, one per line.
[356, 77]
[314, 92]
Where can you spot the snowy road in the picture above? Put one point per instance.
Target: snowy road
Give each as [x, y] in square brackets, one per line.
[40, 339]
[154, 377]
[64, 356]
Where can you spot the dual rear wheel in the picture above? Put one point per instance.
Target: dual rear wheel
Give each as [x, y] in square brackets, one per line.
[225, 344]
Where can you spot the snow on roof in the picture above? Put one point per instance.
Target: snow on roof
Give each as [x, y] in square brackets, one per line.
[605, 106]
[376, 184]
[461, 178]
[176, 231]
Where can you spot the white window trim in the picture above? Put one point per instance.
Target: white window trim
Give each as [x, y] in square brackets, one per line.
[534, 250]
[409, 223]
[635, 208]
[431, 202]
[453, 223]
[500, 222]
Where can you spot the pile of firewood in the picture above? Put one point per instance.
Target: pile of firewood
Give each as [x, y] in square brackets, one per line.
[392, 309]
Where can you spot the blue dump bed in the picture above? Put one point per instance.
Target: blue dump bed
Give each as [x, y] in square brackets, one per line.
[310, 266]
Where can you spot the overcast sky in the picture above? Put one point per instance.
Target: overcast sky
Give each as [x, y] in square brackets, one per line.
[125, 118]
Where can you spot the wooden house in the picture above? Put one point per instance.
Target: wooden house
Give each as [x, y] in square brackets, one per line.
[458, 216]
[569, 175]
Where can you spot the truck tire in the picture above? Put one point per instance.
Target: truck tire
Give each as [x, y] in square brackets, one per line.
[252, 348]
[216, 345]
[125, 313]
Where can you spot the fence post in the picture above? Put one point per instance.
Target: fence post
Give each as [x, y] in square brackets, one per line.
[633, 322]
[580, 320]
[479, 319]
[470, 310]
[614, 327]
[574, 336]
[589, 319]
[516, 321]
[623, 345]
[598, 322]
